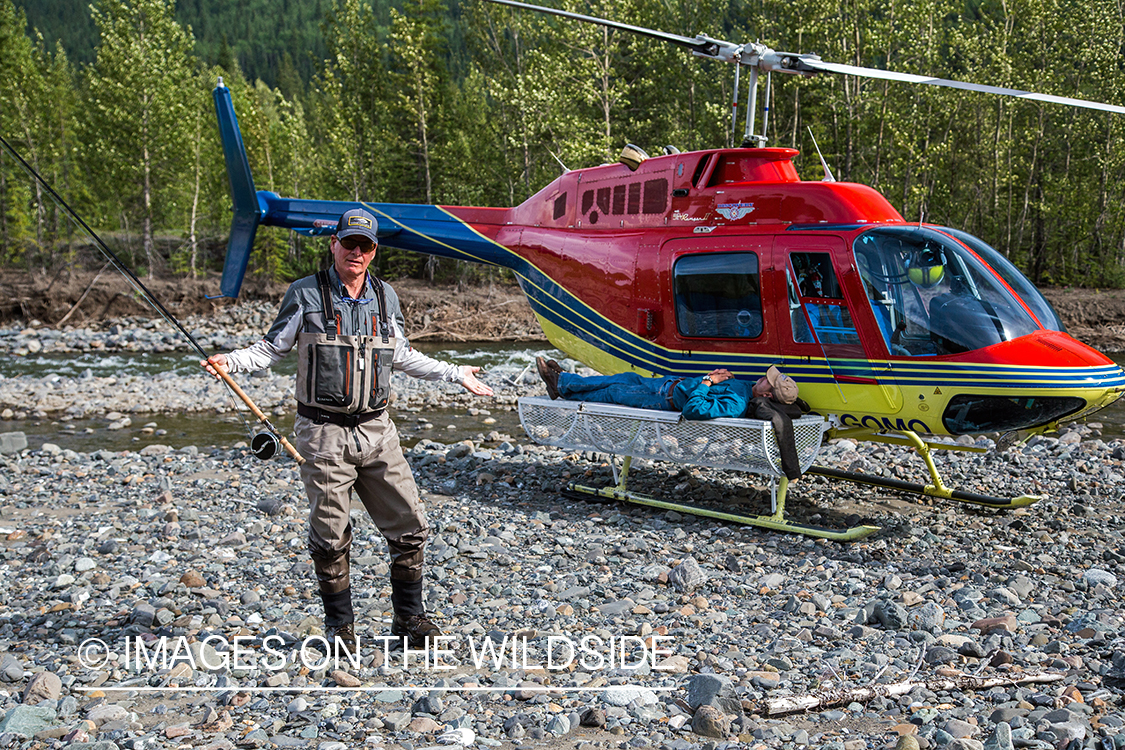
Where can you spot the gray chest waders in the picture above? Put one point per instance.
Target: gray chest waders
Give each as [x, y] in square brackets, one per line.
[344, 380]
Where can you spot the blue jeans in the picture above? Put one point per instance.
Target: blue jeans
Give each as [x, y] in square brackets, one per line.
[623, 389]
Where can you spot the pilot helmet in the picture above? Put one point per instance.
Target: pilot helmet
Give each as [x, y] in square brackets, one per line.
[924, 267]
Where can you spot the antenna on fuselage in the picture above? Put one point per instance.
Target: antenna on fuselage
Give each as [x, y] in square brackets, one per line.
[828, 177]
[560, 161]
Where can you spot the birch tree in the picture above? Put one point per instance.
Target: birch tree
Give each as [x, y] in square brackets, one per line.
[138, 102]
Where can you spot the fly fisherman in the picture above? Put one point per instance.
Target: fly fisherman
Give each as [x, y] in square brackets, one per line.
[342, 427]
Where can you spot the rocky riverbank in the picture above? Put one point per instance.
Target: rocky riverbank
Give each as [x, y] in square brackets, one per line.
[205, 549]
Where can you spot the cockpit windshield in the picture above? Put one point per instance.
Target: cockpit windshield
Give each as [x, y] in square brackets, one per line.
[1024, 288]
[931, 296]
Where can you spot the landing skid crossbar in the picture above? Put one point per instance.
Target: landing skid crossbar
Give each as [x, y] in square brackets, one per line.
[774, 522]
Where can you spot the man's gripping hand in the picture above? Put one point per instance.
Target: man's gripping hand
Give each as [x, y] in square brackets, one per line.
[469, 380]
[718, 376]
[215, 364]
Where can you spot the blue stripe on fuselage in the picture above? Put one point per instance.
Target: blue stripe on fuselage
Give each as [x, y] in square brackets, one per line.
[433, 230]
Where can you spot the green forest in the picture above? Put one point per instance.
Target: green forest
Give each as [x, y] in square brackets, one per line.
[477, 104]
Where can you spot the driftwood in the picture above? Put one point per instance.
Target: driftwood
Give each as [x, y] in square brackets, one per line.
[791, 704]
[80, 299]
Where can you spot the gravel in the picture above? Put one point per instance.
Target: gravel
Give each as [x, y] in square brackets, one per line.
[205, 548]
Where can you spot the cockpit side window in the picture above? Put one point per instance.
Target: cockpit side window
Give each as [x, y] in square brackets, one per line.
[718, 295]
[931, 296]
[821, 306]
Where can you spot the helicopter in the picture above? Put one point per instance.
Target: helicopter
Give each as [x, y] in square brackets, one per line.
[683, 262]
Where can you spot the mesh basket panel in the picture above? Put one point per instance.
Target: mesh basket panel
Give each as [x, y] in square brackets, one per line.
[737, 444]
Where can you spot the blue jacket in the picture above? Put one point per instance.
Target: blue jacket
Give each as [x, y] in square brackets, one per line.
[729, 398]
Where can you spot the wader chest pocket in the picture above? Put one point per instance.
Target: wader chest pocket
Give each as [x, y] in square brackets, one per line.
[330, 371]
[381, 380]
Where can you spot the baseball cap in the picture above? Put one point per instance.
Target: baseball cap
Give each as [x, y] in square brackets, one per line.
[357, 223]
[784, 387]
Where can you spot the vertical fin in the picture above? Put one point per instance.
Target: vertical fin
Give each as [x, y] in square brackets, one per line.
[247, 211]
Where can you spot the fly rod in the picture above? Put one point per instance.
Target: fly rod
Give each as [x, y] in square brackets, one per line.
[262, 448]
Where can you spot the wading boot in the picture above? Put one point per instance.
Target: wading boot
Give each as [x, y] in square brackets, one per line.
[339, 620]
[410, 621]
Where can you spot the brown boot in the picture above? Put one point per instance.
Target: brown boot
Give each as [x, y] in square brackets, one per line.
[344, 635]
[417, 629]
[410, 621]
[339, 619]
[549, 374]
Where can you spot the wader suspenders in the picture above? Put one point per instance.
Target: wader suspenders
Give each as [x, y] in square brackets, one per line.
[330, 313]
[326, 304]
[384, 321]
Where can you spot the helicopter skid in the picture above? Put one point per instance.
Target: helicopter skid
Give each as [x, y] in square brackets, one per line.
[928, 490]
[936, 488]
[773, 522]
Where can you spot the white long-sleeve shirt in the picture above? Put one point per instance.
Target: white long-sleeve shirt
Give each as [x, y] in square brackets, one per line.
[302, 305]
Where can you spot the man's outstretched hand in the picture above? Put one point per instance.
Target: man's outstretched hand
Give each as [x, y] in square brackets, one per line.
[472, 385]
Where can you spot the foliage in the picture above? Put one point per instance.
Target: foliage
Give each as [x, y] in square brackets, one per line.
[137, 103]
[476, 104]
[36, 116]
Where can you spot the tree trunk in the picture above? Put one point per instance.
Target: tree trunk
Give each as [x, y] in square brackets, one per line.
[192, 240]
[606, 102]
[424, 141]
[4, 239]
[146, 164]
[146, 229]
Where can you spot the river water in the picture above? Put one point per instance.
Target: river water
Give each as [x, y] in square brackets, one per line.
[506, 361]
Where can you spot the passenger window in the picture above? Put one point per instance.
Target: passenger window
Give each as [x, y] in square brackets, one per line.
[822, 305]
[718, 295]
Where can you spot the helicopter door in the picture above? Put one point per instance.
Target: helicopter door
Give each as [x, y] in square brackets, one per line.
[822, 329]
[717, 292]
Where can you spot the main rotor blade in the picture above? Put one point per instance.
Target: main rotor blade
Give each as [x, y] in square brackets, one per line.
[813, 63]
[703, 46]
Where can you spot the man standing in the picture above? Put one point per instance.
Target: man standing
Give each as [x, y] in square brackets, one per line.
[349, 333]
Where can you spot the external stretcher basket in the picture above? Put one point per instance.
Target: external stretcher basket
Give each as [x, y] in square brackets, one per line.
[736, 444]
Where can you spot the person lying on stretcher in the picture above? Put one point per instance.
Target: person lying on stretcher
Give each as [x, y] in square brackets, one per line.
[774, 398]
[716, 394]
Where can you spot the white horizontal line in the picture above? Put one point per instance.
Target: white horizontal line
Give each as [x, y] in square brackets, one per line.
[371, 689]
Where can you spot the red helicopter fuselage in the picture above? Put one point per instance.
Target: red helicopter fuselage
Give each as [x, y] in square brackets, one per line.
[686, 262]
[726, 258]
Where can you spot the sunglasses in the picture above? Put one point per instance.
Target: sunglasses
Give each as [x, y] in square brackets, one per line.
[351, 243]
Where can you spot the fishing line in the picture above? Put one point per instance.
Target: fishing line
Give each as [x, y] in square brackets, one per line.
[125, 271]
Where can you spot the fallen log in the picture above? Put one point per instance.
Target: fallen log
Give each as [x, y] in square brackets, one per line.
[791, 704]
